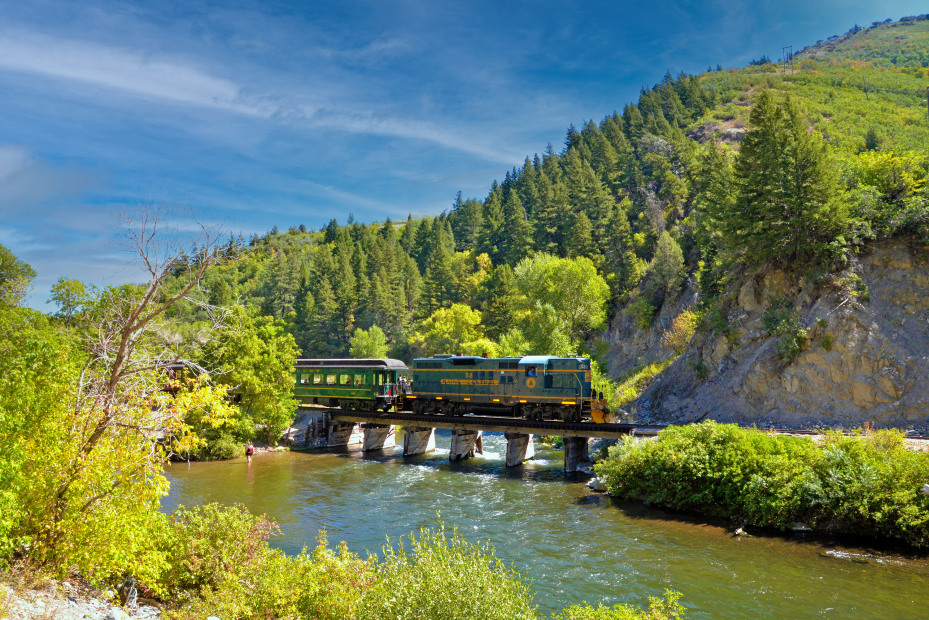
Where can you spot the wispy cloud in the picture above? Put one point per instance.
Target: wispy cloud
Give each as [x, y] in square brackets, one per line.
[26, 182]
[181, 81]
[120, 69]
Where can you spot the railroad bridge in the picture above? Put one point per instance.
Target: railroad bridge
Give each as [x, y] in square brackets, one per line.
[371, 431]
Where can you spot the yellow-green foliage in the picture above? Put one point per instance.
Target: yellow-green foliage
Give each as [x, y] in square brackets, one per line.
[635, 382]
[667, 608]
[681, 332]
[438, 575]
[870, 484]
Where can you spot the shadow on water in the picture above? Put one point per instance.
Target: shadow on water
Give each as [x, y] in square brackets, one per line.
[852, 546]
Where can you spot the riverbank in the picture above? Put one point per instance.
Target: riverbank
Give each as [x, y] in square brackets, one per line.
[71, 599]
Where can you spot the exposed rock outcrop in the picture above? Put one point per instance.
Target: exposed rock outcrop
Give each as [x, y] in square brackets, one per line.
[865, 357]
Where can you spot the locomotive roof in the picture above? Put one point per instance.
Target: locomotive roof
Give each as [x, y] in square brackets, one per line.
[351, 363]
[543, 360]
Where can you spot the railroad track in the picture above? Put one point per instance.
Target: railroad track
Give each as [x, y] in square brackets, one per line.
[544, 427]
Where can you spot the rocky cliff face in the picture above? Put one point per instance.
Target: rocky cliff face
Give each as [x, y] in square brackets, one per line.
[865, 356]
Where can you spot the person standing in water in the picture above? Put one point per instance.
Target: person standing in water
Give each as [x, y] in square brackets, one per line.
[249, 451]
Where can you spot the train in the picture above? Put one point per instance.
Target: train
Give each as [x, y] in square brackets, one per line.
[534, 387]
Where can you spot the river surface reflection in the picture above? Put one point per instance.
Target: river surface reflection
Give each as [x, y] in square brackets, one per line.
[571, 544]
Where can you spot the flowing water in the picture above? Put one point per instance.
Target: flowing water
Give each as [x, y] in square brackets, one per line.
[571, 544]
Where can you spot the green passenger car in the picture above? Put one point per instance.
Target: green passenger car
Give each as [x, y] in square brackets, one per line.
[363, 385]
[534, 387]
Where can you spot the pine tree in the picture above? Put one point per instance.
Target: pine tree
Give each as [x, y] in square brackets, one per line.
[787, 204]
[489, 238]
[499, 309]
[666, 271]
[620, 252]
[516, 233]
[438, 281]
[580, 242]
[421, 245]
[408, 236]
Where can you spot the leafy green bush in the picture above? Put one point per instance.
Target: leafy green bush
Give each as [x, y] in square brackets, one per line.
[642, 311]
[445, 578]
[222, 447]
[781, 320]
[667, 608]
[681, 332]
[870, 484]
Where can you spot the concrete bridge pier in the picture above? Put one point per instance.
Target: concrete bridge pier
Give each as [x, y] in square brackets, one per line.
[465, 444]
[519, 448]
[378, 437]
[575, 453]
[418, 440]
[344, 435]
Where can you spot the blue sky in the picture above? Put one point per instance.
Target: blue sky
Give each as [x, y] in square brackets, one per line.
[247, 115]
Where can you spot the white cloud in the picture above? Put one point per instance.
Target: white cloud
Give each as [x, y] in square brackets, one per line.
[121, 69]
[12, 159]
[26, 182]
[416, 130]
[183, 82]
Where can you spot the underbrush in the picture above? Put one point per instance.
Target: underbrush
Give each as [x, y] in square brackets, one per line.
[220, 564]
[633, 383]
[867, 485]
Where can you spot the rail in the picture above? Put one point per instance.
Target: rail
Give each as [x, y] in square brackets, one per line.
[534, 427]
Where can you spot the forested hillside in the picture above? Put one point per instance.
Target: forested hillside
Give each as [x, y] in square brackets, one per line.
[797, 164]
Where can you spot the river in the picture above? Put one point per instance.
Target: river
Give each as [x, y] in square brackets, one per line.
[571, 544]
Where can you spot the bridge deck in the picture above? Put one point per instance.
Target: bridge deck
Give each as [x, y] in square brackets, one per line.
[498, 424]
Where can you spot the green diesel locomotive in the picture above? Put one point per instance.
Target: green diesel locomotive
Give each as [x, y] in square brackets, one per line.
[535, 387]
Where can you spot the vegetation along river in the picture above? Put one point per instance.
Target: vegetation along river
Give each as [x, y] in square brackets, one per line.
[571, 545]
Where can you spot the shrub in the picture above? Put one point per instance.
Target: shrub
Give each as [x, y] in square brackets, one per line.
[667, 608]
[781, 320]
[682, 331]
[224, 446]
[445, 578]
[642, 311]
[870, 484]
